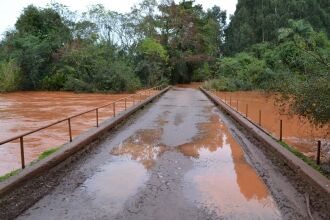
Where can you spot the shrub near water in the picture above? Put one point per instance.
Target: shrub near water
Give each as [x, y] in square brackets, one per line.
[10, 76]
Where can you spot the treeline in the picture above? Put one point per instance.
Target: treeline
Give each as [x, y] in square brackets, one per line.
[258, 21]
[99, 50]
[274, 45]
[279, 46]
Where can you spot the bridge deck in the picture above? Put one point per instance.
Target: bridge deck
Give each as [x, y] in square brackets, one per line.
[178, 159]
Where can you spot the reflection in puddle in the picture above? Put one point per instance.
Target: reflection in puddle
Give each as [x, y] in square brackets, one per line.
[221, 180]
[178, 119]
[143, 147]
[209, 138]
[115, 183]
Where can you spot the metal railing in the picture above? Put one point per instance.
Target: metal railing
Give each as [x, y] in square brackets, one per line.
[134, 98]
[230, 104]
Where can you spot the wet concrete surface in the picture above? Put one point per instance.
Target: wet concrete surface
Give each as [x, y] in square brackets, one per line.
[177, 160]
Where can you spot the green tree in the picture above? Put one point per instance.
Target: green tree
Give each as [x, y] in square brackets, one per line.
[257, 22]
[39, 34]
[10, 76]
[152, 66]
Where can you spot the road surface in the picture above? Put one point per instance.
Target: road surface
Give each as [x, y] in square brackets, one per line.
[178, 159]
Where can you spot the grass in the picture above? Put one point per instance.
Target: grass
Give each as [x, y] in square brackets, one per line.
[42, 156]
[8, 175]
[47, 153]
[306, 159]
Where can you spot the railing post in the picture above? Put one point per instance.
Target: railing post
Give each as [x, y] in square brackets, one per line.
[259, 117]
[97, 117]
[230, 101]
[22, 152]
[237, 104]
[140, 97]
[114, 109]
[318, 156]
[246, 110]
[281, 130]
[125, 103]
[70, 132]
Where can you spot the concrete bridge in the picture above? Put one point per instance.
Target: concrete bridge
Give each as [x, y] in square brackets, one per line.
[181, 154]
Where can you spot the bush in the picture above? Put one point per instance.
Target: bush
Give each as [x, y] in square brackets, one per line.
[201, 74]
[119, 77]
[94, 69]
[77, 85]
[220, 84]
[54, 82]
[312, 99]
[10, 76]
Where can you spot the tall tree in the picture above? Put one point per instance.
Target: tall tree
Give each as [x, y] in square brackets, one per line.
[256, 22]
[39, 33]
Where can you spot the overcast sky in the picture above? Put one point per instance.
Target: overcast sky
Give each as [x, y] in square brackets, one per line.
[11, 9]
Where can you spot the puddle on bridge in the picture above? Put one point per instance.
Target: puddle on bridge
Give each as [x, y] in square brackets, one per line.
[221, 180]
[21, 112]
[128, 170]
[114, 183]
[143, 146]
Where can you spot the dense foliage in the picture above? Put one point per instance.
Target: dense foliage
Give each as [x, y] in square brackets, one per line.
[257, 21]
[104, 51]
[274, 45]
[280, 46]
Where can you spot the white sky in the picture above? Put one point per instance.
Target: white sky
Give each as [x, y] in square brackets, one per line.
[11, 9]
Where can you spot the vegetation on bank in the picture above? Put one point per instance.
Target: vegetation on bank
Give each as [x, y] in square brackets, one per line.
[285, 49]
[275, 45]
[99, 50]
[10, 174]
[307, 160]
[47, 153]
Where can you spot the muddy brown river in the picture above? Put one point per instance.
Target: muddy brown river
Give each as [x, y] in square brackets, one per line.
[176, 160]
[22, 112]
[297, 131]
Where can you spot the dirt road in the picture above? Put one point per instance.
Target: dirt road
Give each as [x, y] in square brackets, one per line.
[180, 159]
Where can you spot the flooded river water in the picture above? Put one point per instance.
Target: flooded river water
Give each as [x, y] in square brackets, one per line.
[22, 112]
[297, 131]
[25, 111]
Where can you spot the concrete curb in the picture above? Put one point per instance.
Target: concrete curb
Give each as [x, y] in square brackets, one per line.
[311, 176]
[69, 149]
